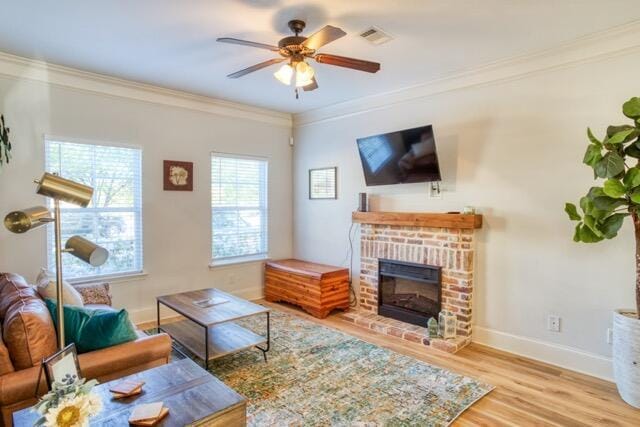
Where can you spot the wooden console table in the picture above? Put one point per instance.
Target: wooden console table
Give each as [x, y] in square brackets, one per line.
[317, 288]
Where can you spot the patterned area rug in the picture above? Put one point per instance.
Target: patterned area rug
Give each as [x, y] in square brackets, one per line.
[317, 376]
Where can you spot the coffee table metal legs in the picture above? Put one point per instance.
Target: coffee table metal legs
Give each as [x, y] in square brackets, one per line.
[206, 338]
[206, 347]
[173, 342]
[264, 350]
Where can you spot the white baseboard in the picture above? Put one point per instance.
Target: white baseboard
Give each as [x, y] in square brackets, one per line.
[148, 314]
[554, 354]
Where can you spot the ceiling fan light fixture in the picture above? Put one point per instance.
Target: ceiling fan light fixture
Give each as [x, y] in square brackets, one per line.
[304, 74]
[284, 74]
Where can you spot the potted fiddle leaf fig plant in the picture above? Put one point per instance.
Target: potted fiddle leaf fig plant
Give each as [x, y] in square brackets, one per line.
[616, 160]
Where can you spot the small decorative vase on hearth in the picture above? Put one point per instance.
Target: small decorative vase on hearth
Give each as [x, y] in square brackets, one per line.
[626, 355]
[447, 324]
[432, 324]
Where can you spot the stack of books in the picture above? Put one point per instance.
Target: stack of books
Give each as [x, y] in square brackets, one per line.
[126, 388]
[148, 414]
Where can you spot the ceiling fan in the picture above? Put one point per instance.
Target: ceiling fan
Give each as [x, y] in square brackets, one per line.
[294, 50]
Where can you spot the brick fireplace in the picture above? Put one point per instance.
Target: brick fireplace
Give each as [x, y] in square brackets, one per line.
[443, 241]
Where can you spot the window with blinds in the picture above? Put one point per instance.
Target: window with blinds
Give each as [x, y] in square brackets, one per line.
[238, 207]
[113, 219]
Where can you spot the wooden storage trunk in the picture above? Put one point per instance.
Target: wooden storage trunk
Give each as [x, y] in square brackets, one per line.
[317, 288]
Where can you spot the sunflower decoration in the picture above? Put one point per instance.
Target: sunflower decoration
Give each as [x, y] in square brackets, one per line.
[69, 404]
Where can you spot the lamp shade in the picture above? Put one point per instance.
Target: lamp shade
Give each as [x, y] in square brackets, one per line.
[65, 190]
[284, 74]
[27, 219]
[304, 74]
[87, 251]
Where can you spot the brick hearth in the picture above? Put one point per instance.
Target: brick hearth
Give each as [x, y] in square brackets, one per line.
[450, 248]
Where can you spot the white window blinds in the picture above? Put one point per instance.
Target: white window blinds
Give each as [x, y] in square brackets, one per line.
[238, 207]
[113, 219]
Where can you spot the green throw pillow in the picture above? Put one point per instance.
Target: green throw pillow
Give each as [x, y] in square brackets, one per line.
[93, 328]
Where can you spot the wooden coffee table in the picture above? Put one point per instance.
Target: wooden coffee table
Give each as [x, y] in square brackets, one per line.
[209, 332]
[193, 396]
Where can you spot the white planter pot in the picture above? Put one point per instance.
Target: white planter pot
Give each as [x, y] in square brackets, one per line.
[626, 355]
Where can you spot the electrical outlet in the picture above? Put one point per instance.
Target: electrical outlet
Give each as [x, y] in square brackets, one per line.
[609, 335]
[553, 323]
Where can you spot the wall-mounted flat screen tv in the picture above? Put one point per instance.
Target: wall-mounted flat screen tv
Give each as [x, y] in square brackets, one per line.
[400, 157]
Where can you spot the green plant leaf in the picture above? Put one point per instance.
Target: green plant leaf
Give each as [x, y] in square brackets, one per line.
[572, 211]
[590, 222]
[635, 196]
[609, 166]
[608, 204]
[612, 130]
[599, 214]
[595, 192]
[593, 155]
[632, 178]
[586, 204]
[631, 108]
[612, 224]
[592, 138]
[622, 136]
[588, 236]
[614, 188]
[576, 233]
[632, 150]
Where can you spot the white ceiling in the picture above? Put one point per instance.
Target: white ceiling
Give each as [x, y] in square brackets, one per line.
[171, 43]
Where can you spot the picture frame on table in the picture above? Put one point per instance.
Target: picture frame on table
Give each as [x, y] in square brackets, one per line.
[62, 366]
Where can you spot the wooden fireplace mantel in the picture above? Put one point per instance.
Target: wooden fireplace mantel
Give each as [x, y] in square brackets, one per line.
[436, 220]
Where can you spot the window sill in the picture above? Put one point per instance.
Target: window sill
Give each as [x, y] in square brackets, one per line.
[116, 278]
[239, 260]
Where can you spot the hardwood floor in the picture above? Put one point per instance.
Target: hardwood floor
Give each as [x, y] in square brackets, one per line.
[527, 393]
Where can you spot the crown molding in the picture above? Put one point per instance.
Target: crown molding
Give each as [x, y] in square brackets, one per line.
[20, 68]
[616, 41]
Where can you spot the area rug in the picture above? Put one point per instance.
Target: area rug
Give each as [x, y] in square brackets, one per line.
[318, 376]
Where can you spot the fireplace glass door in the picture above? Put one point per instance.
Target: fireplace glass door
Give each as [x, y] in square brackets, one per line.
[409, 292]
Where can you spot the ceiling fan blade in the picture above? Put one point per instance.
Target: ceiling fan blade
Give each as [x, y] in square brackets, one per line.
[311, 86]
[343, 61]
[255, 68]
[248, 43]
[325, 35]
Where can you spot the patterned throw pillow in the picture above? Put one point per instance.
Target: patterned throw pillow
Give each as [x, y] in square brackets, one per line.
[95, 293]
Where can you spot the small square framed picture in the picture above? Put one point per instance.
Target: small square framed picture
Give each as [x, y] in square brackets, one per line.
[178, 176]
[62, 366]
[323, 183]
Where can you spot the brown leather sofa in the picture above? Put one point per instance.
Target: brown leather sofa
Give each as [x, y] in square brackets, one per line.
[28, 335]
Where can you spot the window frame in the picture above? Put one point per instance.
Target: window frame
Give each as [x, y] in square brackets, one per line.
[118, 276]
[241, 259]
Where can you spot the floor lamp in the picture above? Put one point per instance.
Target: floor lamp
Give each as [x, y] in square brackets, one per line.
[60, 190]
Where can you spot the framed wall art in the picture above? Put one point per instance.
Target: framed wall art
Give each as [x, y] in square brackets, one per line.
[178, 176]
[323, 183]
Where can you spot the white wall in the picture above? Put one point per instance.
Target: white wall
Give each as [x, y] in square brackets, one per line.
[176, 224]
[513, 149]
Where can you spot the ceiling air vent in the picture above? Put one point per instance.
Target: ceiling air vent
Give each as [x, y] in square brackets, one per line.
[375, 35]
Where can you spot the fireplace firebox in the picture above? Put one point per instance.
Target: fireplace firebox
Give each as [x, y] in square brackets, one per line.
[409, 292]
